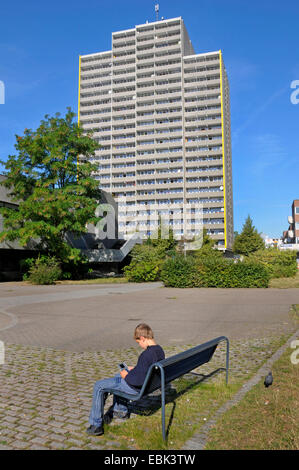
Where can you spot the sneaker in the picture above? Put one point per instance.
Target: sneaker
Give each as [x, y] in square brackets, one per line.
[95, 430]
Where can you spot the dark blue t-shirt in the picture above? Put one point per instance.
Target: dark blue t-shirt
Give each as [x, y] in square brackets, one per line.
[136, 376]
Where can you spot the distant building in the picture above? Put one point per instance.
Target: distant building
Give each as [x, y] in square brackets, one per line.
[291, 236]
[271, 242]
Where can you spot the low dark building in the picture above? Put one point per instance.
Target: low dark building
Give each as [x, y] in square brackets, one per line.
[105, 253]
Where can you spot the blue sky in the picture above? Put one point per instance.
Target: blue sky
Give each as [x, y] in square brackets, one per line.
[39, 47]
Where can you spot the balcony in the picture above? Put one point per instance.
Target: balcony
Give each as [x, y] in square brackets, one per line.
[204, 194]
[198, 95]
[127, 140]
[125, 38]
[190, 85]
[102, 134]
[145, 61]
[174, 46]
[119, 65]
[201, 63]
[166, 86]
[124, 118]
[123, 112]
[163, 35]
[141, 41]
[168, 93]
[191, 134]
[145, 80]
[100, 86]
[100, 108]
[203, 164]
[126, 74]
[203, 112]
[205, 74]
[127, 180]
[128, 48]
[99, 75]
[145, 147]
[145, 197]
[145, 102]
[204, 174]
[168, 74]
[96, 65]
[169, 134]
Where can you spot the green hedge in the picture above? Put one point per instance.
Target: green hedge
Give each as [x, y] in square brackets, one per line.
[179, 272]
[187, 272]
[145, 264]
[278, 263]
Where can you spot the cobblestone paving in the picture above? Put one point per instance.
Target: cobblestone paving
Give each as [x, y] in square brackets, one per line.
[45, 394]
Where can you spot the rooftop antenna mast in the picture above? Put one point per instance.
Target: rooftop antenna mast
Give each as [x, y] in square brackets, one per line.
[157, 11]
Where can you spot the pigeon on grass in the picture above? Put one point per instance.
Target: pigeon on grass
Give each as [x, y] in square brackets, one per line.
[268, 380]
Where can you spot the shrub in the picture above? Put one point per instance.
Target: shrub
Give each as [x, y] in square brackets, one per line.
[248, 274]
[179, 271]
[213, 272]
[74, 265]
[145, 264]
[44, 271]
[25, 265]
[278, 263]
[227, 273]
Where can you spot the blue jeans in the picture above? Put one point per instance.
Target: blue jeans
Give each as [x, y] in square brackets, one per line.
[97, 411]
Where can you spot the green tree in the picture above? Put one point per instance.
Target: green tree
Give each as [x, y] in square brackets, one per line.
[56, 195]
[163, 238]
[249, 240]
[208, 247]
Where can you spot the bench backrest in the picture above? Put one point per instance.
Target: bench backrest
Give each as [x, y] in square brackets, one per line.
[179, 364]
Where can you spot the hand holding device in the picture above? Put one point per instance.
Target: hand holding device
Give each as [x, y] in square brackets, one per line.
[123, 366]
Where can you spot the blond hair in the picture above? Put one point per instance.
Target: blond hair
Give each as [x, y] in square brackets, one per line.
[143, 330]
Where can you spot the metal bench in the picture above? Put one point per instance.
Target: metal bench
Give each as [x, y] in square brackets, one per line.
[163, 372]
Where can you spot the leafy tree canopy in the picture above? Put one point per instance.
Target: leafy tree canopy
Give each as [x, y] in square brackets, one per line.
[208, 248]
[56, 195]
[163, 238]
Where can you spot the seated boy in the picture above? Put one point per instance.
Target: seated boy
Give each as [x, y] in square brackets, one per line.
[128, 382]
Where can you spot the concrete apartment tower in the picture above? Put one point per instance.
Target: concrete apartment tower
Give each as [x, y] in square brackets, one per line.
[161, 114]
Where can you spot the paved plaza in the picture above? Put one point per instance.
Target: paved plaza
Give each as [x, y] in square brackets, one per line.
[60, 339]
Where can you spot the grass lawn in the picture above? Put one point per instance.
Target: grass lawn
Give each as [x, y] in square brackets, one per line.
[285, 282]
[102, 280]
[267, 418]
[185, 415]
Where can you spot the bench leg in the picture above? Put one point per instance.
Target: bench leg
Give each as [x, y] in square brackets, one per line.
[163, 403]
[227, 359]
